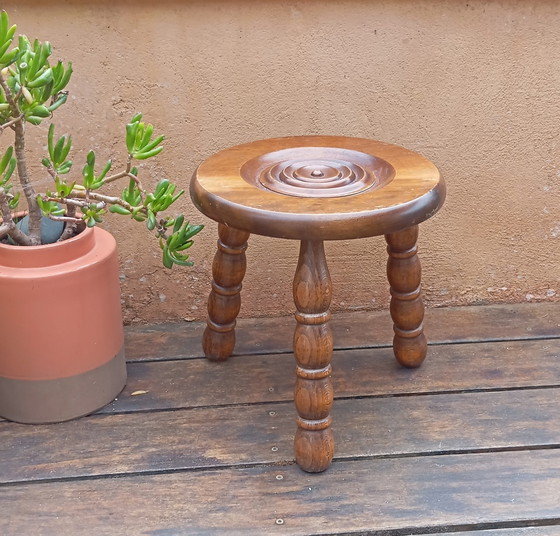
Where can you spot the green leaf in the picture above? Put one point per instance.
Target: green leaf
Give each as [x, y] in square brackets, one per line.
[11, 32]
[63, 189]
[178, 223]
[153, 144]
[23, 44]
[151, 223]
[50, 137]
[175, 197]
[6, 33]
[35, 65]
[40, 81]
[4, 47]
[4, 23]
[34, 120]
[57, 153]
[132, 195]
[131, 130]
[49, 207]
[105, 170]
[139, 136]
[65, 168]
[6, 159]
[58, 102]
[192, 230]
[8, 58]
[147, 135]
[167, 260]
[66, 149]
[162, 187]
[117, 209]
[62, 79]
[58, 72]
[42, 95]
[131, 187]
[13, 202]
[178, 242]
[10, 171]
[45, 51]
[149, 154]
[178, 258]
[87, 174]
[41, 111]
[186, 245]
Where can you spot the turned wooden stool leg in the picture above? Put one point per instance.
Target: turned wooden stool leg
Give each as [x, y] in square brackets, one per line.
[313, 346]
[224, 301]
[407, 309]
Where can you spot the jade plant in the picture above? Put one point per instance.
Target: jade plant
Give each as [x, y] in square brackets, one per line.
[31, 90]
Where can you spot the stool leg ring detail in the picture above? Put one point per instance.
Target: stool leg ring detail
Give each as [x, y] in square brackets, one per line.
[313, 346]
[407, 310]
[224, 302]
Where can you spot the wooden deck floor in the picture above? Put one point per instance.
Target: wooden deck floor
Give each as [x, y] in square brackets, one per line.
[467, 445]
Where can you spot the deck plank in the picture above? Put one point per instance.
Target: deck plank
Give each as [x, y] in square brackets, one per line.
[439, 492]
[235, 436]
[353, 330]
[363, 372]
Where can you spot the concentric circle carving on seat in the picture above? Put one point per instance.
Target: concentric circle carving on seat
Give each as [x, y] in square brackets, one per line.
[317, 172]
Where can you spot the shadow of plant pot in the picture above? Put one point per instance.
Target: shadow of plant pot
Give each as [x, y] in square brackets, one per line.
[62, 350]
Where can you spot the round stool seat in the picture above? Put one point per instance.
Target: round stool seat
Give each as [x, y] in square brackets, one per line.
[318, 188]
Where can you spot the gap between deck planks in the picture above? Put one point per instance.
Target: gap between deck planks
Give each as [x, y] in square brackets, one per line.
[484, 408]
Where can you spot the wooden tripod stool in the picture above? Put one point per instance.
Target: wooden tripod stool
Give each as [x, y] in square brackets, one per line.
[313, 189]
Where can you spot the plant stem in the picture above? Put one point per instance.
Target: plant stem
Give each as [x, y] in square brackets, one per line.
[35, 214]
[10, 123]
[9, 227]
[73, 223]
[68, 219]
[99, 197]
[125, 173]
[117, 176]
[69, 202]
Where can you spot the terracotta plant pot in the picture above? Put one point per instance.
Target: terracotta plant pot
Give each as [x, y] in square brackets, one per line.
[62, 341]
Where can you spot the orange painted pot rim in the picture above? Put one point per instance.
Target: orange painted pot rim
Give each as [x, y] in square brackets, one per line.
[18, 214]
[15, 256]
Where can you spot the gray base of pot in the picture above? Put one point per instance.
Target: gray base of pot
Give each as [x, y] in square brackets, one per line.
[49, 401]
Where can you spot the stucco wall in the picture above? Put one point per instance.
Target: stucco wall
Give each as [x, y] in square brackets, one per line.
[474, 86]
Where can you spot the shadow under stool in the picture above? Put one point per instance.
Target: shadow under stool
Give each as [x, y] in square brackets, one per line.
[312, 189]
